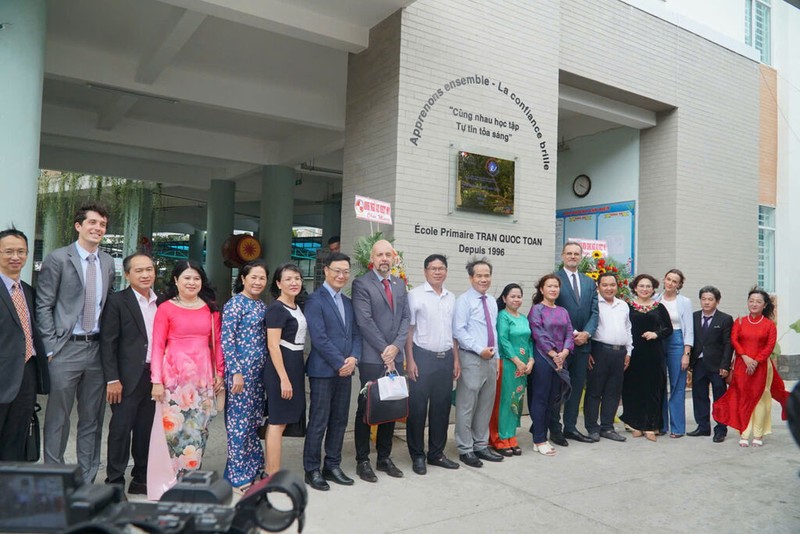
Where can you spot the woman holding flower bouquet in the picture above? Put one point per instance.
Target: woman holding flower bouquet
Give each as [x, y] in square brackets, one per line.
[186, 371]
[516, 363]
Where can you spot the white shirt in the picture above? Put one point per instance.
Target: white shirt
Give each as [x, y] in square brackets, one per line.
[432, 317]
[614, 324]
[148, 307]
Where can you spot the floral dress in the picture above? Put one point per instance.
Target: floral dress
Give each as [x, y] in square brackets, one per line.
[182, 362]
[244, 347]
[514, 339]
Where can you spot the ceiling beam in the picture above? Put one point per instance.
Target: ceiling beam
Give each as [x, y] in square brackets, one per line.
[71, 122]
[70, 61]
[284, 18]
[600, 107]
[114, 111]
[175, 32]
[306, 146]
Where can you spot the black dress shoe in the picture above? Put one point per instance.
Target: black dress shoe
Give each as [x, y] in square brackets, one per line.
[612, 435]
[470, 459]
[444, 461]
[577, 436]
[335, 474]
[388, 467]
[505, 452]
[594, 436]
[697, 432]
[488, 455]
[559, 439]
[719, 438]
[517, 451]
[137, 488]
[418, 465]
[365, 472]
[315, 480]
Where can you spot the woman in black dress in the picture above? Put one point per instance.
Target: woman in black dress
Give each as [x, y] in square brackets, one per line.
[283, 372]
[646, 377]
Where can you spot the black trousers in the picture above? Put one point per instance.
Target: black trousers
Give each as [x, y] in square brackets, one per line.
[329, 408]
[429, 397]
[383, 443]
[702, 377]
[15, 417]
[603, 387]
[134, 414]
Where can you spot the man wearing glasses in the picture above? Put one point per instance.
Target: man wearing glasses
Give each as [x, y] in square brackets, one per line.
[432, 365]
[23, 360]
[335, 351]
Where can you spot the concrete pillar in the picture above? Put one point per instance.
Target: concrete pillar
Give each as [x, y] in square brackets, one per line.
[133, 217]
[277, 213]
[331, 219]
[220, 226]
[197, 243]
[22, 43]
[49, 230]
[146, 214]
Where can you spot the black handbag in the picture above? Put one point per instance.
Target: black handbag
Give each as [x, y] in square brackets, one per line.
[33, 441]
[379, 411]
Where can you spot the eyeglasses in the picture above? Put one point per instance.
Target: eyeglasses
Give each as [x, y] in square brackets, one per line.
[437, 269]
[8, 253]
[339, 272]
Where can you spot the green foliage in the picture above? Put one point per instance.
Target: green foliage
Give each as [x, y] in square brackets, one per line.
[777, 350]
[60, 194]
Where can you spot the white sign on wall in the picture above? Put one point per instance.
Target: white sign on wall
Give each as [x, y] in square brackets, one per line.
[373, 210]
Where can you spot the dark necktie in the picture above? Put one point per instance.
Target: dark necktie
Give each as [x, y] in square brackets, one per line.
[489, 327]
[388, 290]
[575, 287]
[22, 312]
[337, 299]
[706, 323]
[90, 295]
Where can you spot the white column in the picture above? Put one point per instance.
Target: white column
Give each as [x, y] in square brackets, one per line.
[22, 43]
[221, 199]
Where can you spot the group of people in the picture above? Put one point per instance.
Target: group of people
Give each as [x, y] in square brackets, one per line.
[165, 362]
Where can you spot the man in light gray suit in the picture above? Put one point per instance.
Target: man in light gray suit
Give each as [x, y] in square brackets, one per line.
[380, 304]
[71, 292]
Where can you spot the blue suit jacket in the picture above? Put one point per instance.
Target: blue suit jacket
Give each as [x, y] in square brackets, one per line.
[331, 341]
[583, 314]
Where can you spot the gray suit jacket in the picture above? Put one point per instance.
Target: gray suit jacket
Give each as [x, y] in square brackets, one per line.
[59, 294]
[380, 326]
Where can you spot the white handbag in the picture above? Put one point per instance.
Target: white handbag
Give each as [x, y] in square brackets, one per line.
[392, 387]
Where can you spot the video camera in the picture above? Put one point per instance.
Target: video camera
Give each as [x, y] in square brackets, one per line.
[54, 498]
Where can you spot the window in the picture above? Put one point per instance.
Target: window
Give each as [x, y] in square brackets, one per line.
[757, 24]
[766, 248]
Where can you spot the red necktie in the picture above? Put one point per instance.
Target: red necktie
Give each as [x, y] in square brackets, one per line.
[388, 290]
[22, 311]
[489, 326]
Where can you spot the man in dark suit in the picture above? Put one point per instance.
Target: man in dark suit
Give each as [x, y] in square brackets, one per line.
[335, 351]
[579, 297]
[71, 292]
[710, 360]
[381, 309]
[125, 347]
[23, 360]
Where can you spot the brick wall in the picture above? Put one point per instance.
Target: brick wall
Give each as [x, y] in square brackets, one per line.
[699, 166]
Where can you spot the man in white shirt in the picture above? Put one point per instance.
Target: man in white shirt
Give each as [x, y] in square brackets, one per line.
[126, 338]
[612, 344]
[432, 365]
